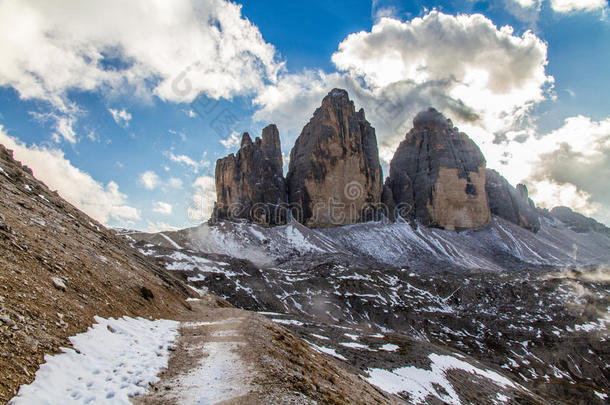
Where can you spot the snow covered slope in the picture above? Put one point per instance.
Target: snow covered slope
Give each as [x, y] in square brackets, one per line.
[451, 313]
[546, 330]
[499, 246]
[114, 360]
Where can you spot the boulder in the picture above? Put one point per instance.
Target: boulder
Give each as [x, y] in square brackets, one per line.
[510, 203]
[334, 176]
[250, 184]
[437, 175]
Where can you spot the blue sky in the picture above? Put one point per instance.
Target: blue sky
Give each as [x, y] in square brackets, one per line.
[107, 120]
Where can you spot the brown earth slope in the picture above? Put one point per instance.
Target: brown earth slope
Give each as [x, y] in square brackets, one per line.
[242, 358]
[59, 268]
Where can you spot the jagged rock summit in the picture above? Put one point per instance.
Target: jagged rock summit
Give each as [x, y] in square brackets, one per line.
[250, 184]
[334, 176]
[510, 203]
[439, 173]
[438, 176]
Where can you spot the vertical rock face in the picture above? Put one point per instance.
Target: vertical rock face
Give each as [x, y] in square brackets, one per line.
[250, 184]
[334, 176]
[510, 203]
[439, 174]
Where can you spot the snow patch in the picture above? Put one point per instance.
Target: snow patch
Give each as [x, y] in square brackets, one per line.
[171, 242]
[354, 345]
[288, 322]
[421, 383]
[389, 347]
[319, 336]
[220, 376]
[326, 350]
[297, 239]
[116, 359]
[601, 395]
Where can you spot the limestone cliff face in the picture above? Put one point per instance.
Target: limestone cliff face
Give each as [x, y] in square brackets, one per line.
[334, 176]
[510, 203]
[439, 174]
[250, 184]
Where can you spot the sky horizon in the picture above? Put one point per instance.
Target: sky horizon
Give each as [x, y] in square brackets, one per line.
[125, 107]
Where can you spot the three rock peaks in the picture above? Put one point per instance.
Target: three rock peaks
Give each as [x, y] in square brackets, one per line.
[438, 176]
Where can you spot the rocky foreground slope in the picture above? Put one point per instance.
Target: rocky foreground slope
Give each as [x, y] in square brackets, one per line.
[62, 272]
[59, 268]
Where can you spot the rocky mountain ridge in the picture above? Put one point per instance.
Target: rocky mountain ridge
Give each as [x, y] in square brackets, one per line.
[250, 184]
[437, 178]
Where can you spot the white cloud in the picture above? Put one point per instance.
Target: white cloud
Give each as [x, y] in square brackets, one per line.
[567, 6]
[568, 166]
[92, 136]
[232, 141]
[174, 182]
[380, 10]
[481, 69]
[154, 227]
[204, 197]
[63, 124]
[527, 3]
[175, 51]
[104, 203]
[529, 10]
[64, 128]
[525, 10]
[187, 161]
[464, 65]
[149, 180]
[580, 138]
[549, 194]
[183, 159]
[179, 134]
[162, 208]
[121, 117]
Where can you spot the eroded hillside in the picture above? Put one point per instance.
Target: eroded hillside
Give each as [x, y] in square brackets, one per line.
[59, 268]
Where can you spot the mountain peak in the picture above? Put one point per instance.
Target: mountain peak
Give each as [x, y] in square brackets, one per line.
[335, 160]
[431, 118]
[337, 97]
